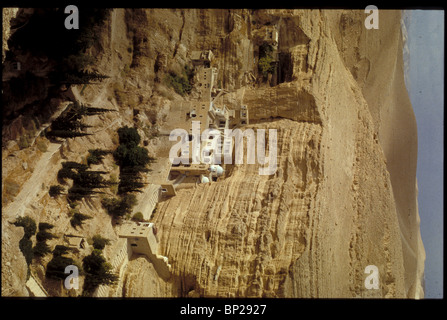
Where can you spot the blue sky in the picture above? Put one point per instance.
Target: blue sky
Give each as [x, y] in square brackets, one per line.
[426, 90]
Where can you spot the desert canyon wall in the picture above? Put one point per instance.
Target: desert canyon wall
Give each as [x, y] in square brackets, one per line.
[344, 193]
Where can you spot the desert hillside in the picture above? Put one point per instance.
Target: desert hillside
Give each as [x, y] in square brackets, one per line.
[343, 195]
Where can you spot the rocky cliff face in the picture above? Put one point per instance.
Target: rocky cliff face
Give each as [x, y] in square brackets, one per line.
[8, 14]
[343, 196]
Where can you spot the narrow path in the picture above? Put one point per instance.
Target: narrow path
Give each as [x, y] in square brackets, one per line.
[33, 185]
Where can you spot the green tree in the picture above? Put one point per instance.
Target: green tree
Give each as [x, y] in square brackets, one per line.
[138, 156]
[78, 62]
[266, 66]
[128, 201]
[90, 179]
[130, 183]
[25, 244]
[66, 134]
[60, 250]
[56, 267]
[92, 111]
[98, 271]
[265, 62]
[135, 170]
[56, 190]
[44, 235]
[120, 207]
[131, 156]
[138, 217]
[73, 77]
[65, 173]
[74, 165]
[45, 226]
[181, 83]
[41, 249]
[96, 155]
[100, 242]
[112, 206]
[28, 224]
[128, 135]
[78, 218]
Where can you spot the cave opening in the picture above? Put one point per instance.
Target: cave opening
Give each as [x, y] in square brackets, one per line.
[285, 67]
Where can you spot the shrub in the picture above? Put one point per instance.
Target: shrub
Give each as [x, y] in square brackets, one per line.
[138, 217]
[73, 205]
[265, 62]
[119, 93]
[110, 203]
[126, 69]
[100, 242]
[77, 219]
[93, 159]
[113, 183]
[265, 65]
[119, 207]
[56, 267]
[24, 141]
[179, 83]
[154, 211]
[128, 201]
[72, 211]
[11, 187]
[132, 160]
[41, 145]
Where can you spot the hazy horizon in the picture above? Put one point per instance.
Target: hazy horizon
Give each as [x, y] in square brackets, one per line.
[425, 85]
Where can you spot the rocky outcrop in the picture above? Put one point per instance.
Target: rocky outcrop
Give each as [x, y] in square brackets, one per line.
[14, 267]
[8, 14]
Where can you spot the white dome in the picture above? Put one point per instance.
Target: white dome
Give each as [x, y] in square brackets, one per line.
[220, 170]
[205, 179]
[216, 170]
